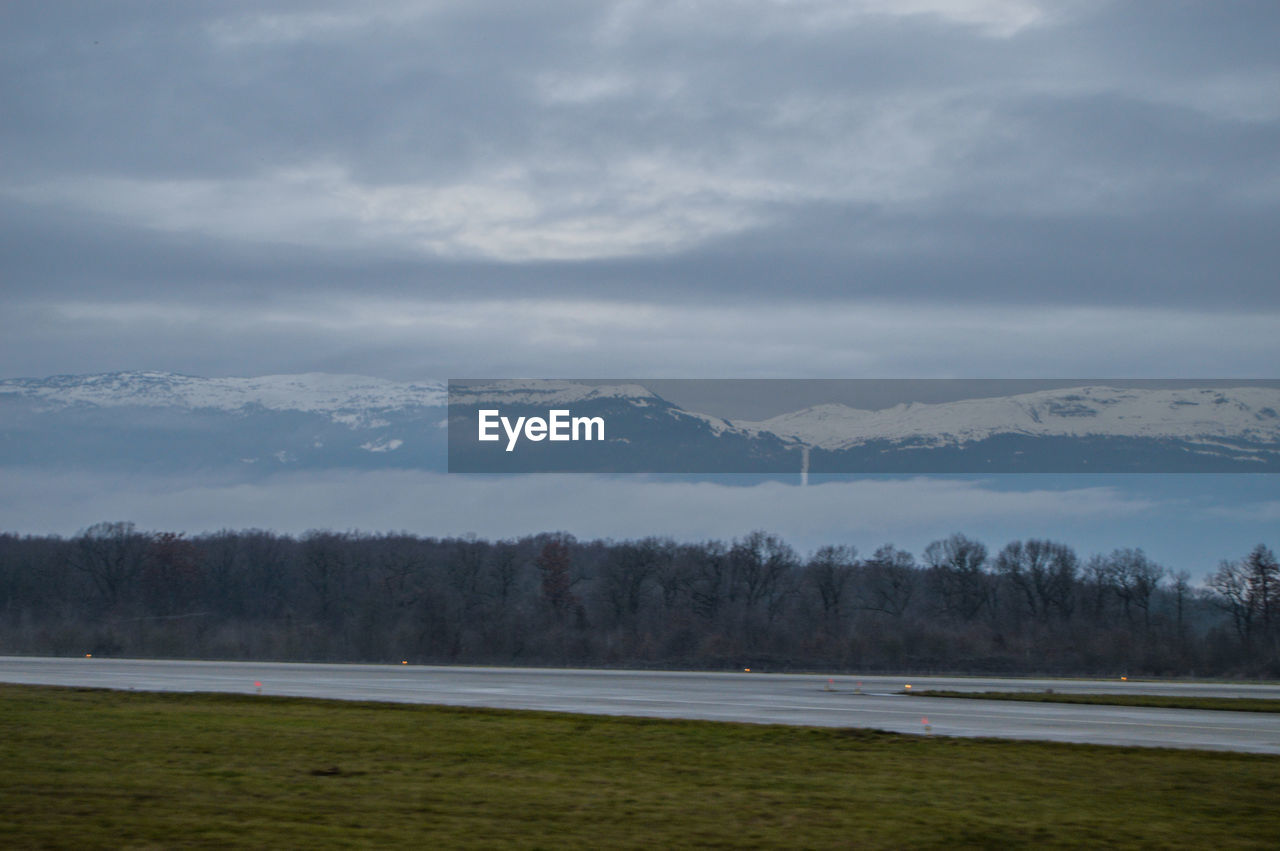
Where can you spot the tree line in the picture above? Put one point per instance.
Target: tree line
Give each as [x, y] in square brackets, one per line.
[1033, 606]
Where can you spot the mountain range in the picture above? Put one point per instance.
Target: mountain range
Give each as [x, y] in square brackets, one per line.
[157, 421]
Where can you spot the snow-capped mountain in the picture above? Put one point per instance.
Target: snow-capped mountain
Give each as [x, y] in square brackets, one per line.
[164, 422]
[1244, 413]
[313, 392]
[1081, 429]
[645, 433]
[547, 392]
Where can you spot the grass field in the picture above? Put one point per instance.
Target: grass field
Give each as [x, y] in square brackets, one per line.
[86, 768]
[1231, 704]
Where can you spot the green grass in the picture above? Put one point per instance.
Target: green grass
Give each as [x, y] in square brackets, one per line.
[100, 769]
[1232, 704]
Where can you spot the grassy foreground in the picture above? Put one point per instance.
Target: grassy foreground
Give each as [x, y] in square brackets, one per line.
[88, 768]
[1230, 704]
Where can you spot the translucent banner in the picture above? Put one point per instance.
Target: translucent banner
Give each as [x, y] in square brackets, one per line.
[771, 426]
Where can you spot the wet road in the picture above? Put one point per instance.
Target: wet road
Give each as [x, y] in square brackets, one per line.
[756, 698]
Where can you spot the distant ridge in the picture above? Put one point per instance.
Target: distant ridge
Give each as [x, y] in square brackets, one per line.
[312, 391]
[161, 421]
[1249, 413]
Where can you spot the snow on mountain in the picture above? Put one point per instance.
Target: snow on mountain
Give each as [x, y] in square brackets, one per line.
[1245, 413]
[346, 398]
[386, 418]
[717, 425]
[546, 392]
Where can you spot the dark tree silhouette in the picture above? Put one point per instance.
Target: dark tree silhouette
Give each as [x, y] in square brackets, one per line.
[553, 600]
[554, 562]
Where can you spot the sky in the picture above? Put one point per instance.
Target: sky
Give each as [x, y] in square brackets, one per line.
[780, 188]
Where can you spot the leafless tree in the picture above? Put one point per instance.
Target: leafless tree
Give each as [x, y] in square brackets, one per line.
[112, 555]
[957, 564]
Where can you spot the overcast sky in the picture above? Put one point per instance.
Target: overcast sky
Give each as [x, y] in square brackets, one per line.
[803, 189]
[885, 188]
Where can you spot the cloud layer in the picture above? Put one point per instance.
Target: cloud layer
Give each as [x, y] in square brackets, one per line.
[1081, 166]
[786, 188]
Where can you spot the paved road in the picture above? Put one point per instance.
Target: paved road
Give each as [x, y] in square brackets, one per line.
[757, 698]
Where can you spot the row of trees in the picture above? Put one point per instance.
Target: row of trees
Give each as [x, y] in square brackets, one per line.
[1032, 606]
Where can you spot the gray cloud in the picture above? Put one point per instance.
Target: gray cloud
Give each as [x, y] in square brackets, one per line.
[958, 170]
[862, 188]
[410, 338]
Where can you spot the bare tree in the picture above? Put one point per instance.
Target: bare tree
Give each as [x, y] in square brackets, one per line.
[554, 563]
[465, 569]
[1231, 583]
[1250, 590]
[368, 597]
[1044, 572]
[504, 573]
[760, 564]
[170, 573]
[325, 564]
[887, 581]
[627, 572]
[112, 555]
[957, 566]
[1134, 578]
[1264, 586]
[829, 573]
